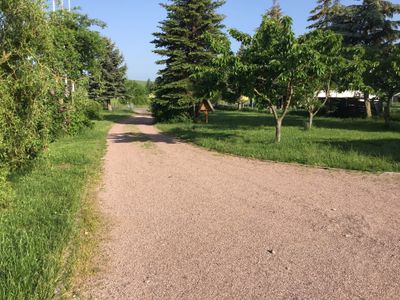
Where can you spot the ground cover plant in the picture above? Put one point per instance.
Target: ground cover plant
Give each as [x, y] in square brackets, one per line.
[356, 144]
[39, 227]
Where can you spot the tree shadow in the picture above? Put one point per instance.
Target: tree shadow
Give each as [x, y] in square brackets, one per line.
[381, 148]
[191, 135]
[356, 124]
[132, 137]
[243, 120]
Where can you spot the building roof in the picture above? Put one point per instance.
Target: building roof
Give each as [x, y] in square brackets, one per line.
[345, 94]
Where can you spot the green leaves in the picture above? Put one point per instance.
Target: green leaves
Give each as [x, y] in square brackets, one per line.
[42, 56]
[186, 43]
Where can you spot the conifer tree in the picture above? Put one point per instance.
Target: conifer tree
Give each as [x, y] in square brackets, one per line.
[372, 23]
[113, 75]
[183, 41]
[324, 14]
[149, 86]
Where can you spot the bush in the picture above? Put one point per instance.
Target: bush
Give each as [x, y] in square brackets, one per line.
[93, 110]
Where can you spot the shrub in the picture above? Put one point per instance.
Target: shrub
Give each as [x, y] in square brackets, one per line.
[93, 110]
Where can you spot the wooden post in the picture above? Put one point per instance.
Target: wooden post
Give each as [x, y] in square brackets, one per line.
[206, 116]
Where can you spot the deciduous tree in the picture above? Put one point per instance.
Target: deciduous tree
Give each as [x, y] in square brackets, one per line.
[326, 64]
[273, 61]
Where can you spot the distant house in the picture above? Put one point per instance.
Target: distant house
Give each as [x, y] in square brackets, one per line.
[396, 98]
[350, 103]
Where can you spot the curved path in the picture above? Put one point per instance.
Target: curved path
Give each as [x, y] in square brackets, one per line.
[185, 223]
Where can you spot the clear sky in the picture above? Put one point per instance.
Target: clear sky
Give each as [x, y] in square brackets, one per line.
[130, 24]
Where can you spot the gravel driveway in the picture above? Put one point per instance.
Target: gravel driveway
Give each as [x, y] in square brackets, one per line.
[185, 223]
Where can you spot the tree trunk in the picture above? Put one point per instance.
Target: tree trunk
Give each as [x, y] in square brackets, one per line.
[310, 120]
[386, 113]
[367, 105]
[109, 106]
[278, 130]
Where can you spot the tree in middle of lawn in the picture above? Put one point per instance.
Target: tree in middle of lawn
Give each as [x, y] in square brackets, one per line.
[273, 61]
[184, 45]
[326, 64]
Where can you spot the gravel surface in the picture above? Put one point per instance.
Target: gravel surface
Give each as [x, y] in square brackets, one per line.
[185, 223]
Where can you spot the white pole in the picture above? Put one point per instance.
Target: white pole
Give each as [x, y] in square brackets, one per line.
[69, 5]
[54, 5]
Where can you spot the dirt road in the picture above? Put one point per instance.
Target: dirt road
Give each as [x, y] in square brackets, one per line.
[190, 224]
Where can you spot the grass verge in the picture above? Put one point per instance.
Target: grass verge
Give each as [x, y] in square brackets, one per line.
[355, 144]
[39, 231]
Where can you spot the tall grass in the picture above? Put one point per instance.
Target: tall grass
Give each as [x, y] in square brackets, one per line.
[38, 230]
[355, 144]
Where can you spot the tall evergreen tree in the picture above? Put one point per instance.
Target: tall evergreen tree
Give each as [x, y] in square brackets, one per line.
[324, 14]
[369, 23]
[113, 75]
[149, 86]
[372, 23]
[184, 43]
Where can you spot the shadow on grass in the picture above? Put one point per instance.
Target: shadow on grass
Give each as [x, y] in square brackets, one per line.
[242, 120]
[191, 135]
[380, 148]
[116, 116]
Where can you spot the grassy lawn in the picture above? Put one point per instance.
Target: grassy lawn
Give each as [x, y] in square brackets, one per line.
[39, 231]
[355, 144]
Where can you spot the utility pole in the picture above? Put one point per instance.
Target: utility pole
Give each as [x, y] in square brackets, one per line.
[54, 5]
[69, 5]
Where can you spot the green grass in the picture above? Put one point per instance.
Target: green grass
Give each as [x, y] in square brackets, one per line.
[39, 231]
[355, 144]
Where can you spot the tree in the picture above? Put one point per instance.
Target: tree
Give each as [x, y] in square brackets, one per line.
[149, 86]
[326, 64]
[273, 63]
[387, 78]
[183, 44]
[79, 48]
[223, 78]
[276, 10]
[113, 75]
[25, 79]
[324, 14]
[370, 24]
[136, 93]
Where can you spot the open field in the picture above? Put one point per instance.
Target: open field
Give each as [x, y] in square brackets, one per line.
[142, 82]
[354, 144]
[36, 230]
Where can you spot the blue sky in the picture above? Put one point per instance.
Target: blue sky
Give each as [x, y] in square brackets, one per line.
[130, 24]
